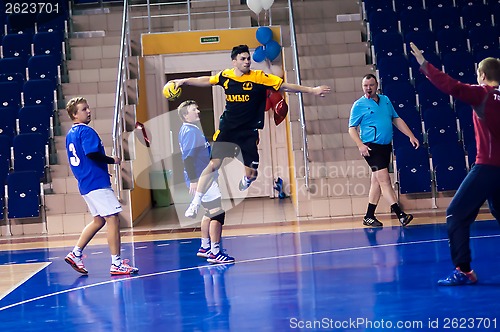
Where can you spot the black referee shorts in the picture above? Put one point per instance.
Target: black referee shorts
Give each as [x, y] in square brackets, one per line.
[380, 156]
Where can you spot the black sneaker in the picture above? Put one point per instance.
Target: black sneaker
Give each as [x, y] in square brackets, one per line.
[406, 219]
[373, 222]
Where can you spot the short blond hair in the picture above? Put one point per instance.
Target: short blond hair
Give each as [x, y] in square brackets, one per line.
[71, 106]
[182, 110]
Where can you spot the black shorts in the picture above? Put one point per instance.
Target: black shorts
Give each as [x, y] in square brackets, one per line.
[229, 145]
[380, 156]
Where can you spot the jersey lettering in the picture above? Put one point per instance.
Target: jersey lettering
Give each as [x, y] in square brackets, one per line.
[226, 83]
[237, 98]
[74, 160]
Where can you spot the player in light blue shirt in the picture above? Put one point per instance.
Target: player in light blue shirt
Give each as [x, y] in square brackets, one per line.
[89, 165]
[374, 115]
[195, 151]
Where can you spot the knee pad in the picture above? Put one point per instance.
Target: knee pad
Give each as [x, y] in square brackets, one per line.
[219, 216]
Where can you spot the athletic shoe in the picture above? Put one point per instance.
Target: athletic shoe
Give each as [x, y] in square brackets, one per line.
[406, 219]
[123, 268]
[203, 252]
[245, 183]
[220, 258]
[459, 278]
[76, 263]
[192, 211]
[373, 222]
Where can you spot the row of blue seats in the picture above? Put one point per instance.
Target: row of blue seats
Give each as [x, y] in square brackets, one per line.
[27, 119]
[418, 170]
[23, 197]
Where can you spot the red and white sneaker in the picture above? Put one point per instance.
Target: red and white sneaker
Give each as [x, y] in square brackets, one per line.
[76, 263]
[123, 268]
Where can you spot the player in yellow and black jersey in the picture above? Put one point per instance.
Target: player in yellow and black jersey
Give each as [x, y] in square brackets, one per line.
[243, 116]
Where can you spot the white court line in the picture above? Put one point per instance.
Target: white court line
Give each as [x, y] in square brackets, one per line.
[237, 262]
[43, 266]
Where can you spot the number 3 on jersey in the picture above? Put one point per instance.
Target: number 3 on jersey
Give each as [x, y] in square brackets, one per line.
[74, 160]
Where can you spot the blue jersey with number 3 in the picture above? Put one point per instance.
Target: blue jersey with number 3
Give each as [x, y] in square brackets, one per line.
[91, 175]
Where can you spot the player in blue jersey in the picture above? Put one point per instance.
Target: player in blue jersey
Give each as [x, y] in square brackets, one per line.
[195, 150]
[246, 93]
[89, 164]
[374, 115]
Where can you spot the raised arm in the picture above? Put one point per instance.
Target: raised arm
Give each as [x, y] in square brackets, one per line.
[202, 81]
[320, 90]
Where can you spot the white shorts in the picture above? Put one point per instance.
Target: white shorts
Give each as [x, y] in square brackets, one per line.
[212, 193]
[102, 202]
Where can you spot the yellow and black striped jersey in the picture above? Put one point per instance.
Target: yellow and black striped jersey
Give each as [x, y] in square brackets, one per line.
[245, 98]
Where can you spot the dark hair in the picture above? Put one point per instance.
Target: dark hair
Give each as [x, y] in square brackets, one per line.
[182, 110]
[238, 50]
[370, 76]
[490, 67]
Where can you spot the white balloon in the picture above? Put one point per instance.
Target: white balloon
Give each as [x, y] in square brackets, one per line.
[254, 6]
[266, 4]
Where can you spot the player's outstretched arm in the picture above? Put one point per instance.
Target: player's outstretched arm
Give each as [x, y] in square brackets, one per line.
[320, 90]
[202, 81]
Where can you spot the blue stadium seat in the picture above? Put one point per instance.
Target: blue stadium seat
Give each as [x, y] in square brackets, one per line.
[11, 66]
[432, 58]
[469, 140]
[414, 172]
[431, 4]
[30, 153]
[452, 40]
[13, 77]
[382, 22]
[424, 39]
[10, 95]
[443, 18]
[460, 66]
[45, 67]
[21, 23]
[448, 161]
[2, 202]
[371, 6]
[50, 43]
[393, 69]
[429, 96]
[402, 95]
[48, 22]
[464, 113]
[35, 119]
[24, 195]
[17, 46]
[476, 15]
[8, 117]
[439, 117]
[387, 45]
[416, 19]
[400, 5]
[412, 118]
[401, 141]
[479, 55]
[439, 134]
[483, 38]
[39, 92]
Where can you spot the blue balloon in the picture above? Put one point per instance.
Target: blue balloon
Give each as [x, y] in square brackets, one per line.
[273, 49]
[259, 54]
[264, 35]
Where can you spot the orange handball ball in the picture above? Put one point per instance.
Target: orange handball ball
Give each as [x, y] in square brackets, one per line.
[170, 92]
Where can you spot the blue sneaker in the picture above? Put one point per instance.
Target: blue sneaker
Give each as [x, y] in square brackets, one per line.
[220, 258]
[203, 252]
[246, 182]
[459, 278]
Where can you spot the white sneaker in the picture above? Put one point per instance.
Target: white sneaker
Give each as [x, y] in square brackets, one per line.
[192, 211]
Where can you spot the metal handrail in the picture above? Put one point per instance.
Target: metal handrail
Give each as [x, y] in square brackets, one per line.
[302, 119]
[121, 98]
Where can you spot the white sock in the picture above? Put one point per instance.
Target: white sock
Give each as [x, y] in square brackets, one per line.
[197, 198]
[77, 251]
[205, 242]
[116, 260]
[215, 248]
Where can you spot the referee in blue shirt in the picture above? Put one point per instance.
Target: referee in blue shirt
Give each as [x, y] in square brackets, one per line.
[374, 115]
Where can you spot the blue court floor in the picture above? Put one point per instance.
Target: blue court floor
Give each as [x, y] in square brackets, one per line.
[342, 280]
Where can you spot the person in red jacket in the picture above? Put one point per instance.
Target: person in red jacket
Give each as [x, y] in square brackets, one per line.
[483, 181]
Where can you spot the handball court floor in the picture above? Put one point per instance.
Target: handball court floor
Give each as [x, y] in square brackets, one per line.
[331, 275]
